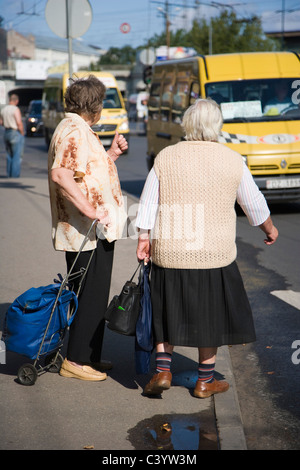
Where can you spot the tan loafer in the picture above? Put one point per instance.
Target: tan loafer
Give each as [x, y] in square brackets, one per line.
[84, 373]
[205, 390]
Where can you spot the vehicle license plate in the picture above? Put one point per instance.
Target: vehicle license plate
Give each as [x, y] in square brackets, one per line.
[283, 183]
[106, 141]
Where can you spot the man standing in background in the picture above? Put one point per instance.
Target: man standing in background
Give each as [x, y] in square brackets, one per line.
[11, 119]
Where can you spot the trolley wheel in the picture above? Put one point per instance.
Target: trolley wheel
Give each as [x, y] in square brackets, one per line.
[27, 374]
[54, 362]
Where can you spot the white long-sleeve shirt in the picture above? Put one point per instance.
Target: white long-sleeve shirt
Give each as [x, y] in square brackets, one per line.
[249, 197]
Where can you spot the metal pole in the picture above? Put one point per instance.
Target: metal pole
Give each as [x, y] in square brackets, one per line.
[69, 36]
[282, 24]
[210, 37]
[167, 27]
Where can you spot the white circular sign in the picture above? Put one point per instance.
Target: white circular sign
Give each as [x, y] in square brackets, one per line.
[79, 15]
[147, 56]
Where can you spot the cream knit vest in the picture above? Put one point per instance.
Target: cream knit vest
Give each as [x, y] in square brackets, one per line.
[196, 222]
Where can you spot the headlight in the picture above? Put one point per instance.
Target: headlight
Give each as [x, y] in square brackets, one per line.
[124, 126]
[32, 119]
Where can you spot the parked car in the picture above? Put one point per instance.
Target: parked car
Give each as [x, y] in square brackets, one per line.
[34, 123]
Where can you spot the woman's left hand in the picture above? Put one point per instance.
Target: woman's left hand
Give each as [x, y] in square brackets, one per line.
[118, 146]
[143, 251]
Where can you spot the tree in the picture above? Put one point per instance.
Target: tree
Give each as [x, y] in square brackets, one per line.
[229, 34]
[124, 56]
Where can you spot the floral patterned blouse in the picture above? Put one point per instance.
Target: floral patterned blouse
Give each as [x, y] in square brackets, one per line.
[76, 147]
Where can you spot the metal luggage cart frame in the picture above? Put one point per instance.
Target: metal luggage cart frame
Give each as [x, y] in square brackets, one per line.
[28, 373]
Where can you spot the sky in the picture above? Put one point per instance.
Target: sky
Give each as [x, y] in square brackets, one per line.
[144, 18]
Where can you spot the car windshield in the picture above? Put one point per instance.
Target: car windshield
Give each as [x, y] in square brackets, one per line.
[111, 99]
[257, 100]
[36, 107]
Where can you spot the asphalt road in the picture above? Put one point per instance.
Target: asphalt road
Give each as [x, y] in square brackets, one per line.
[266, 372]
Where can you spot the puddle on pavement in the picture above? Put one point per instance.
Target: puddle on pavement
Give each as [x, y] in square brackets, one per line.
[176, 432]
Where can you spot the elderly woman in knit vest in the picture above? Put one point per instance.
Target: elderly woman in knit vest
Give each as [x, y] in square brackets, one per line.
[187, 208]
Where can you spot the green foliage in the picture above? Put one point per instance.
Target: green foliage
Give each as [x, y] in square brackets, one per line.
[229, 34]
[115, 56]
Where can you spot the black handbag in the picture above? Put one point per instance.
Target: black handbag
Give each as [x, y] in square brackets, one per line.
[123, 311]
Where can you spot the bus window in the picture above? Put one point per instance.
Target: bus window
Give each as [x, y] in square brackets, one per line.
[179, 101]
[154, 101]
[52, 99]
[112, 99]
[166, 101]
[256, 100]
[195, 92]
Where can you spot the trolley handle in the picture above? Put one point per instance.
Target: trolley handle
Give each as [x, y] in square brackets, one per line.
[80, 250]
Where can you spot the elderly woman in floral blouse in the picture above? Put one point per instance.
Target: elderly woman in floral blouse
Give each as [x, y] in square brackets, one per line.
[84, 186]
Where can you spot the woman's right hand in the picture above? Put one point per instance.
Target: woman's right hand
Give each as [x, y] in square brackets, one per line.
[270, 230]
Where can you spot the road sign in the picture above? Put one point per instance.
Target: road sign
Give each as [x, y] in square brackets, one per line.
[69, 19]
[125, 28]
[147, 56]
[77, 12]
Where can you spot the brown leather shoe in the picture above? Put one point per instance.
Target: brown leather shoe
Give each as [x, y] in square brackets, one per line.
[204, 389]
[158, 383]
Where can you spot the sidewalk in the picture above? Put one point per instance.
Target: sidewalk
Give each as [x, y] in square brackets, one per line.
[59, 413]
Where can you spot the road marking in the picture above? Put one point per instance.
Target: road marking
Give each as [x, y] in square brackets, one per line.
[289, 296]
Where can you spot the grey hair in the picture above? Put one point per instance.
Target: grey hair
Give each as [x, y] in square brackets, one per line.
[202, 120]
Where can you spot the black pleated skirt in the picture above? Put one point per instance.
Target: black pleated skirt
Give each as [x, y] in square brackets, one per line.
[200, 307]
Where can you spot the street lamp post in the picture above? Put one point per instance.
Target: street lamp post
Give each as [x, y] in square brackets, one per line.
[166, 15]
[69, 36]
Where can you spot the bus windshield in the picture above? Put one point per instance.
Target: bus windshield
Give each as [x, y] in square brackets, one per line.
[257, 100]
[112, 99]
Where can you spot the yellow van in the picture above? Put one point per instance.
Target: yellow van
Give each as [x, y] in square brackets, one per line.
[259, 96]
[113, 117]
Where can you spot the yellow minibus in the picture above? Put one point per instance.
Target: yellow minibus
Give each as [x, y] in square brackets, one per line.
[113, 117]
[259, 96]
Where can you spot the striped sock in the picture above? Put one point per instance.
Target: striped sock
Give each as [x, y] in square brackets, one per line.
[206, 372]
[163, 362]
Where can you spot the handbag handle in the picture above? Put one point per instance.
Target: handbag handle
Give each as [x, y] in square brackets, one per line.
[140, 266]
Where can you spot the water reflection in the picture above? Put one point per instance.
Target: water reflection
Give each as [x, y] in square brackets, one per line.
[176, 432]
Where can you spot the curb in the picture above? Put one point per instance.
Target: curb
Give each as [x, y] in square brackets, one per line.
[227, 409]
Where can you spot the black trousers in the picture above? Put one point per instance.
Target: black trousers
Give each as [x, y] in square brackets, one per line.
[87, 329]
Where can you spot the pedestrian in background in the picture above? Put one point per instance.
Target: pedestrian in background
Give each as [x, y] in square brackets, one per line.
[11, 119]
[84, 186]
[188, 201]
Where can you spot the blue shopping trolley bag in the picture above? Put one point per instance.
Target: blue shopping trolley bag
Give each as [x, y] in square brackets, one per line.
[35, 323]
